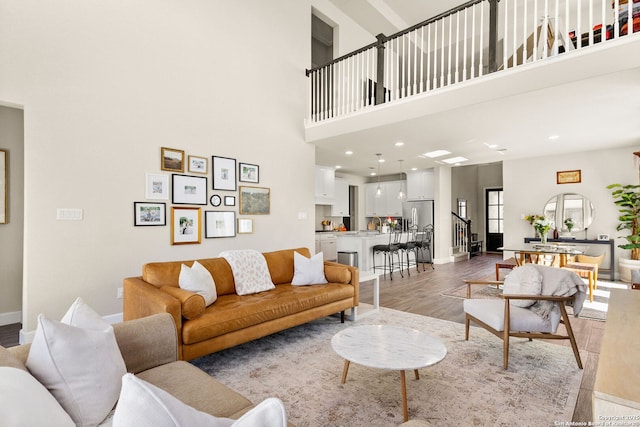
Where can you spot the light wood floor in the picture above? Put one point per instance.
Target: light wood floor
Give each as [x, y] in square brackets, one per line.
[421, 294]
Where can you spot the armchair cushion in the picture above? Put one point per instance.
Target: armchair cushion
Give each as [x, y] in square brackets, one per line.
[525, 280]
[491, 312]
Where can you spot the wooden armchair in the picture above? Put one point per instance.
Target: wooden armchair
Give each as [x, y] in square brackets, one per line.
[504, 319]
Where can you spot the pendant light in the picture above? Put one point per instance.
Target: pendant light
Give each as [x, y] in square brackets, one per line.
[401, 194]
[379, 189]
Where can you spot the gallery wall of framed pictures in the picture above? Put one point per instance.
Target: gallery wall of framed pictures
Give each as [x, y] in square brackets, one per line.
[183, 181]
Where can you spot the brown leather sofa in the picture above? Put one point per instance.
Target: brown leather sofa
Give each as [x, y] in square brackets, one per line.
[233, 319]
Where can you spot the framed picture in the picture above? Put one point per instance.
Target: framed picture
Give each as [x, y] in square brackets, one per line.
[171, 159]
[189, 190]
[245, 226]
[254, 201]
[215, 200]
[198, 164]
[157, 186]
[4, 187]
[224, 173]
[249, 173]
[149, 214]
[568, 177]
[186, 227]
[603, 237]
[219, 224]
[229, 200]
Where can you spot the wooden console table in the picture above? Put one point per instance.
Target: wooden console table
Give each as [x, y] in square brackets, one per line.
[616, 392]
[612, 264]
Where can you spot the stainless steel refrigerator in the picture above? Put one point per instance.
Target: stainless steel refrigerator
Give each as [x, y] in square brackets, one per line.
[418, 213]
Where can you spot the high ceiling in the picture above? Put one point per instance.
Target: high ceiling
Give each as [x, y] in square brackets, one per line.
[589, 100]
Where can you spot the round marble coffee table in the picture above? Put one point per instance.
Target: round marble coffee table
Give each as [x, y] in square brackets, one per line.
[388, 347]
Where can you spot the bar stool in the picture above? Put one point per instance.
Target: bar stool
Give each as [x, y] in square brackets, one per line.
[387, 252]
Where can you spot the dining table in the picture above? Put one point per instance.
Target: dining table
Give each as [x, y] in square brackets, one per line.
[537, 252]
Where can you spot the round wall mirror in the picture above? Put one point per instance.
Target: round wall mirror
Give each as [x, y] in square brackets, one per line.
[570, 208]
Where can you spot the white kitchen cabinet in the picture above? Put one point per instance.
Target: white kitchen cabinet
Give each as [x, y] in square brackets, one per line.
[325, 185]
[374, 206]
[388, 204]
[393, 205]
[421, 185]
[340, 207]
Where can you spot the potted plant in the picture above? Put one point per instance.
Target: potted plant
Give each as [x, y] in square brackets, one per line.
[627, 198]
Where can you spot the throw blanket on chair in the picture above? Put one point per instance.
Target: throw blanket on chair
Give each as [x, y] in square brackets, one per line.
[250, 271]
[559, 282]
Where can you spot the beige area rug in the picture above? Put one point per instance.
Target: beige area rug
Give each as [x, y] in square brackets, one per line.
[596, 310]
[468, 388]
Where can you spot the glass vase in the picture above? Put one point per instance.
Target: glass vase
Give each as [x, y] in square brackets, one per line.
[543, 238]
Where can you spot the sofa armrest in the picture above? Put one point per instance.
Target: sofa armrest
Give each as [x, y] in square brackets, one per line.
[147, 342]
[142, 299]
[335, 272]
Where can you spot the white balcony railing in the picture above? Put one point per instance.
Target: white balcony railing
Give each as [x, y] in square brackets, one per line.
[476, 38]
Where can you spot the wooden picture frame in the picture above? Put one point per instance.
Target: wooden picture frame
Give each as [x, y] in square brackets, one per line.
[223, 170]
[157, 186]
[188, 190]
[248, 173]
[255, 201]
[149, 214]
[4, 187]
[219, 224]
[198, 164]
[171, 159]
[569, 177]
[186, 225]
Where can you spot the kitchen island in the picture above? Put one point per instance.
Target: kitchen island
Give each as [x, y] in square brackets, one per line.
[362, 242]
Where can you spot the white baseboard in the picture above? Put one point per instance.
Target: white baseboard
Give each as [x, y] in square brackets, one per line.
[10, 318]
[27, 337]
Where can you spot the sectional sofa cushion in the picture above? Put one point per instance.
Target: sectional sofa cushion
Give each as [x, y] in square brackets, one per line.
[80, 364]
[142, 404]
[26, 402]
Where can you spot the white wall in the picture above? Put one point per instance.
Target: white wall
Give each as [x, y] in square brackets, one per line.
[11, 233]
[104, 85]
[529, 183]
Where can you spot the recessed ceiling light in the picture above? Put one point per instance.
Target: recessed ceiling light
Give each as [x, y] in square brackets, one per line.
[414, 169]
[553, 137]
[380, 160]
[348, 152]
[452, 160]
[372, 174]
[338, 167]
[437, 153]
[492, 146]
[399, 144]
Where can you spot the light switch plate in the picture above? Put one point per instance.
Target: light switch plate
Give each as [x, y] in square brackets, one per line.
[69, 214]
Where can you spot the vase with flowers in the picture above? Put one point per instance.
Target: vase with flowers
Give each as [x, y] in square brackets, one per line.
[542, 226]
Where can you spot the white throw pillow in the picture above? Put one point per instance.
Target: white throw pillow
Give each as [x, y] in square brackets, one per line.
[308, 271]
[250, 271]
[199, 280]
[81, 365]
[26, 402]
[142, 404]
[524, 280]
